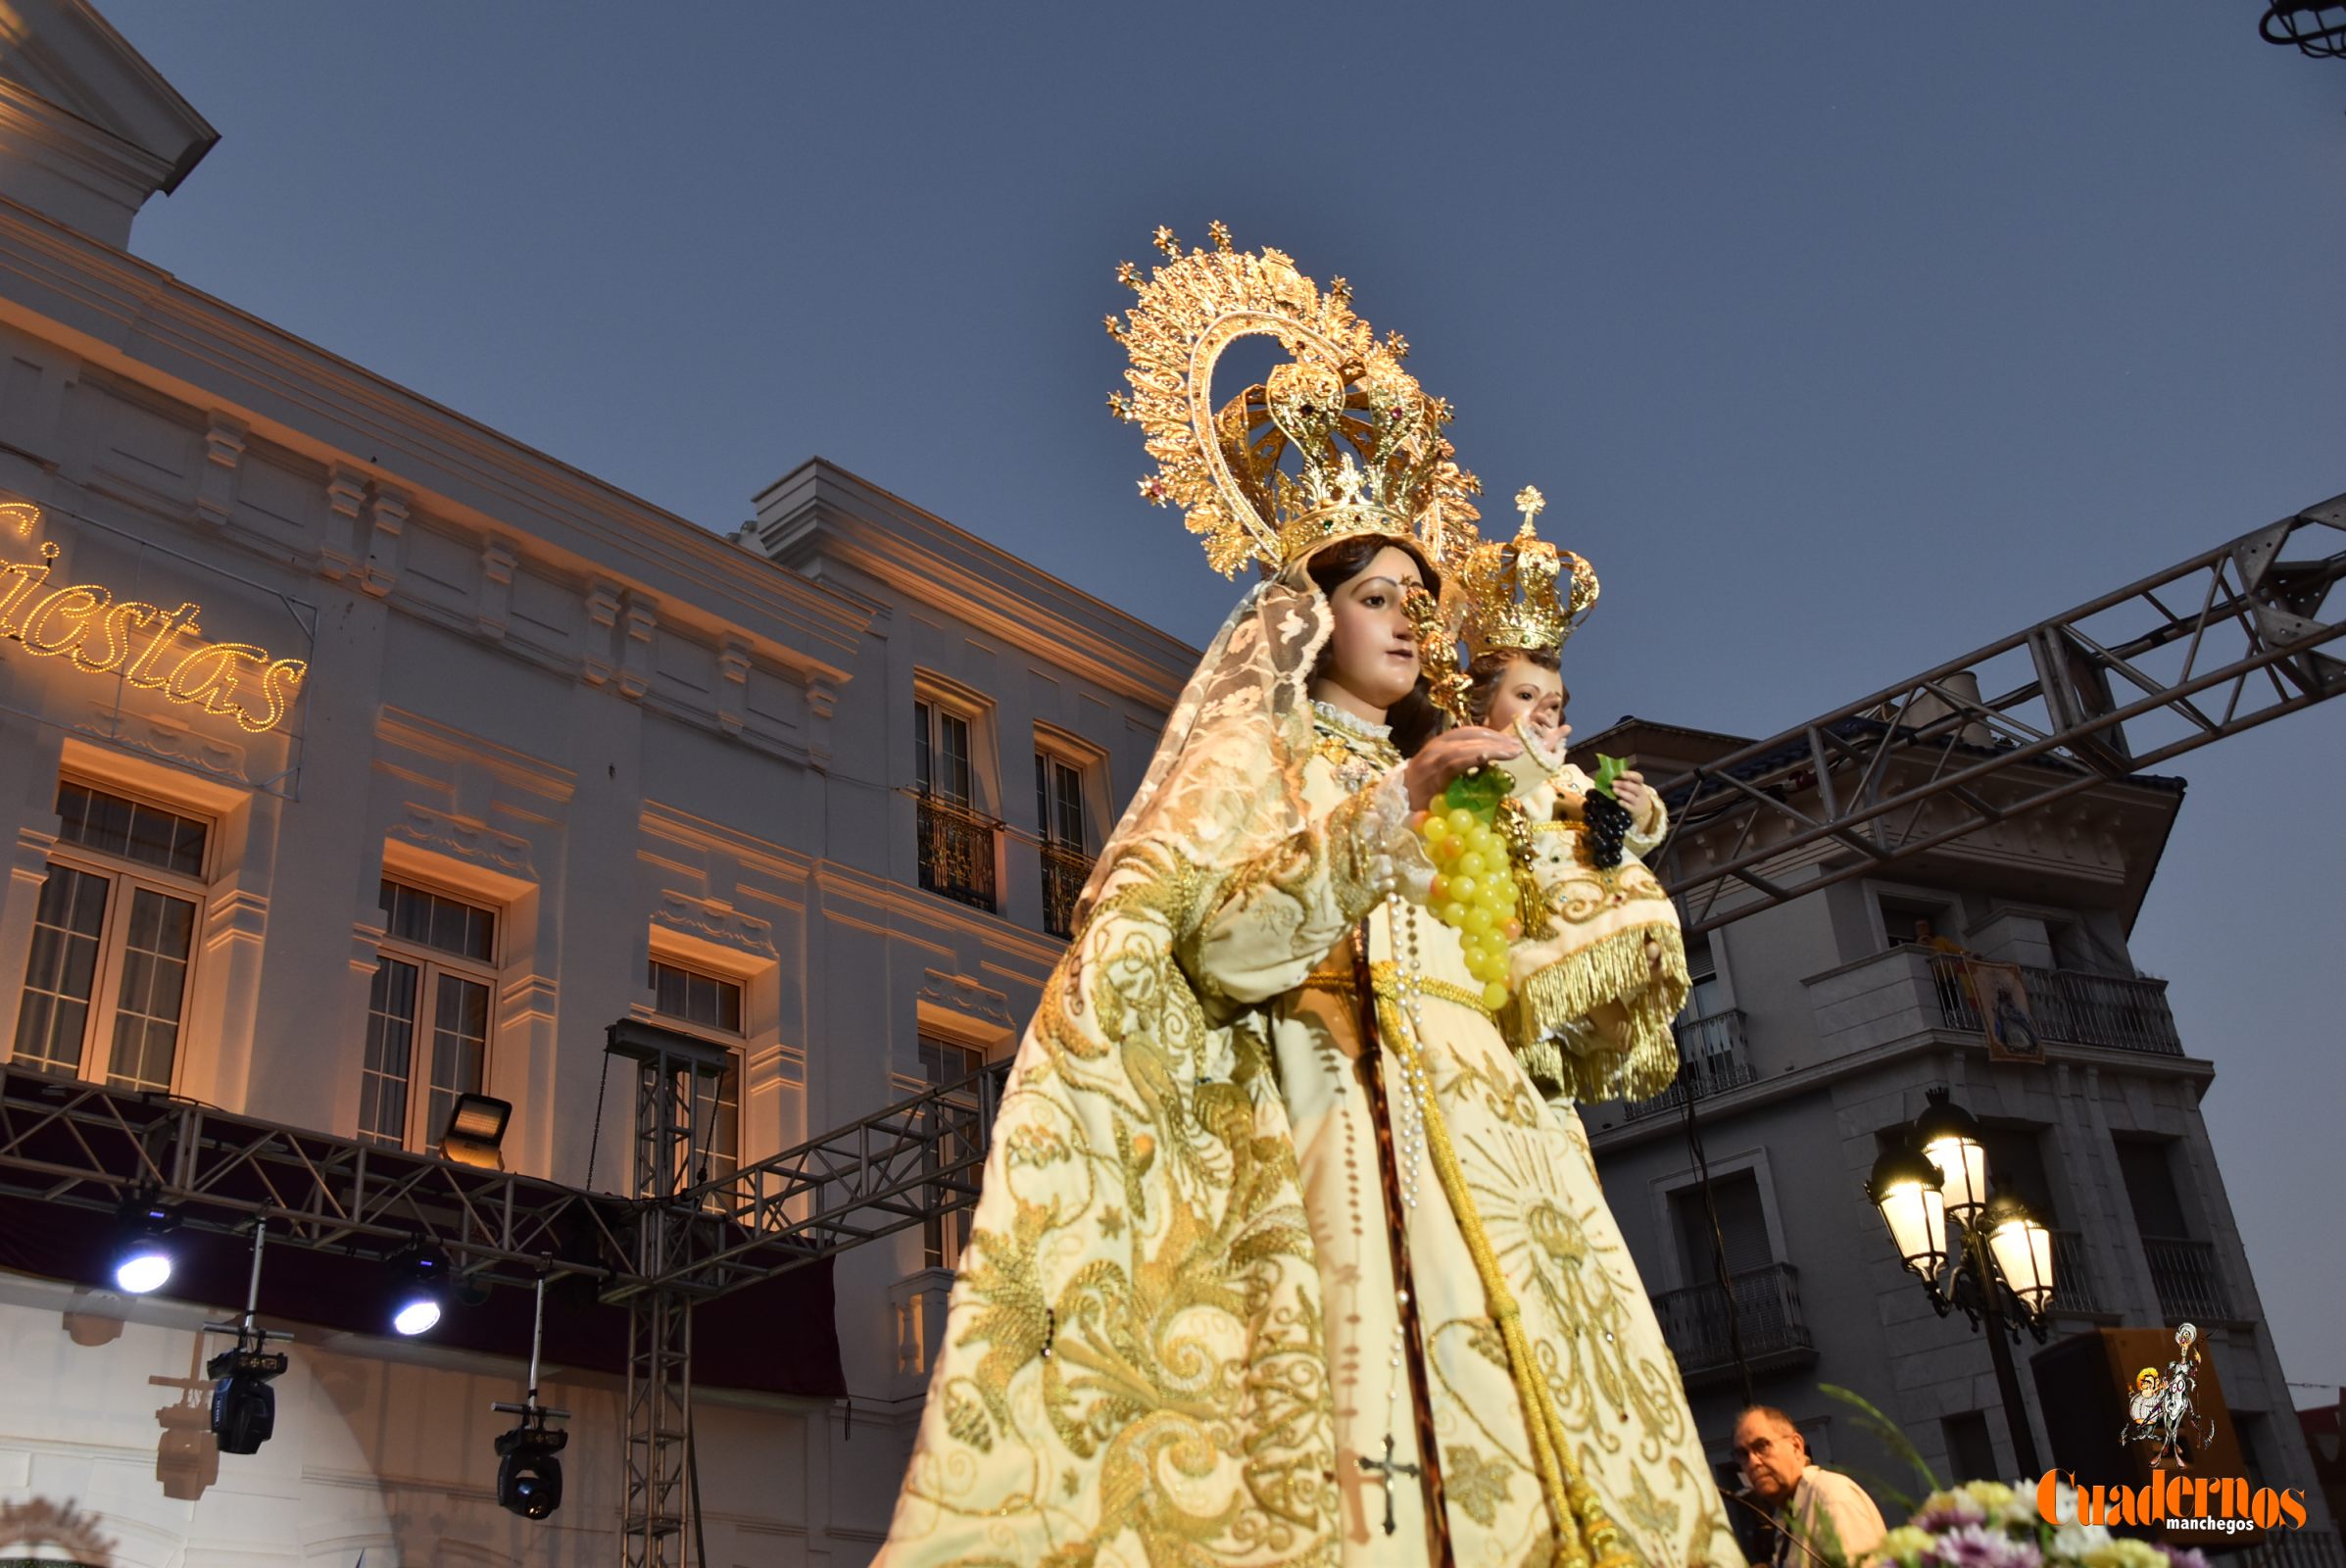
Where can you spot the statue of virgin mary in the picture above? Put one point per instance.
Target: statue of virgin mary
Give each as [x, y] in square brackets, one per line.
[1279, 1256]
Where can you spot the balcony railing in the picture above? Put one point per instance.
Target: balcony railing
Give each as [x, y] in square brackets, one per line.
[2185, 1276]
[2072, 1278]
[2294, 1548]
[1711, 1059]
[956, 852]
[2088, 1010]
[1064, 872]
[1768, 1320]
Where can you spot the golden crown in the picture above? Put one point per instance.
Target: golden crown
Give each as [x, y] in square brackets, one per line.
[1370, 456]
[1524, 593]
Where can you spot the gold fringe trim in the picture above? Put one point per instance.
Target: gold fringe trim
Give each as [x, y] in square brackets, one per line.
[1614, 969]
[1587, 1537]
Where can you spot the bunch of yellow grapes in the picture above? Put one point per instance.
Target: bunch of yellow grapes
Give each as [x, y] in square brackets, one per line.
[1473, 892]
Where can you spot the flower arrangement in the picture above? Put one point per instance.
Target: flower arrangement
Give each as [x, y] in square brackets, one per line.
[1986, 1524]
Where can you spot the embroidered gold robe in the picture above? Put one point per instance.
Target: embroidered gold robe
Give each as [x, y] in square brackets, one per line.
[1597, 989]
[1173, 1337]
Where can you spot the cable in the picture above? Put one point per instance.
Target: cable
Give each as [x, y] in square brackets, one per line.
[1727, 1283]
[595, 1139]
[1775, 1523]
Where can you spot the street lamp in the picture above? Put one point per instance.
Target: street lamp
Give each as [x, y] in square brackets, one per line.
[2001, 1270]
[1909, 1190]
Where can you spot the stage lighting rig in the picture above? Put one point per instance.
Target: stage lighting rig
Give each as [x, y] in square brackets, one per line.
[529, 1478]
[142, 1258]
[244, 1408]
[419, 1292]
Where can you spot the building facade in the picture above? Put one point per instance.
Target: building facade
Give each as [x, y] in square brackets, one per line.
[358, 757]
[1815, 1032]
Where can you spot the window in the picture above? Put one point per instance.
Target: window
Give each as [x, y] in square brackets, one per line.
[2015, 1165]
[1706, 997]
[1914, 921]
[1059, 802]
[1970, 1451]
[1059, 819]
[105, 983]
[2149, 1175]
[712, 1006]
[940, 751]
[956, 839]
[944, 1062]
[427, 1016]
[1741, 1224]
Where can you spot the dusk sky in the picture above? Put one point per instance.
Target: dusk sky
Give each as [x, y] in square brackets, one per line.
[1841, 339]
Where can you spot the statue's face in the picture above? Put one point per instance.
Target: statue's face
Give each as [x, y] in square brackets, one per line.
[1528, 691]
[1373, 651]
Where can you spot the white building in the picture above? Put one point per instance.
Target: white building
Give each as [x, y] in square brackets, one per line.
[1816, 1030]
[356, 756]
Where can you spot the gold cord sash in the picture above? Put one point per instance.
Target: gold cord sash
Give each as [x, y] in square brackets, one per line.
[1585, 1535]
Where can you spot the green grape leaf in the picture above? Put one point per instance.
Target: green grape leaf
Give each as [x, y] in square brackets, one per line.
[1609, 768]
[1479, 791]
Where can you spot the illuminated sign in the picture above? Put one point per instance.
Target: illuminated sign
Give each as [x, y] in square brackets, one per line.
[149, 647]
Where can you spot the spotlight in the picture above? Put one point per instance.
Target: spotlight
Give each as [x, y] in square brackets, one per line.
[475, 1131]
[244, 1408]
[529, 1478]
[422, 1291]
[142, 1262]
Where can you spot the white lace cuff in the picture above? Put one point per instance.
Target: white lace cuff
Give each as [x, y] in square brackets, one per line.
[1391, 853]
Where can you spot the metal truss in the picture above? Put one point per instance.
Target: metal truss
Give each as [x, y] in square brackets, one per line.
[81, 1144]
[916, 1160]
[2225, 641]
[675, 1075]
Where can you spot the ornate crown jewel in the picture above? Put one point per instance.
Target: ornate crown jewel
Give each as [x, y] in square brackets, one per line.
[1370, 456]
[1518, 595]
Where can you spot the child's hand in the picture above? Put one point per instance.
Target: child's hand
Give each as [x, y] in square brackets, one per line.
[1630, 790]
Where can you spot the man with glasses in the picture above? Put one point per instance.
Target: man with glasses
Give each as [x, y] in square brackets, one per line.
[1820, 1518]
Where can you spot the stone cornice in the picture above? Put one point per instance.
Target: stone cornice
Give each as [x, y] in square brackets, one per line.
[70, 55]
[1928, 1043]
[821, 508]
[26, 114]
[142, 324]
[900, 900]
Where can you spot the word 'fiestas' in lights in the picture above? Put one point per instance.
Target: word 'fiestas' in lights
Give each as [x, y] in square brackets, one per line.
[150, 648]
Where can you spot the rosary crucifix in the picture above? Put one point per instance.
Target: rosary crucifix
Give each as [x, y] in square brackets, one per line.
[1384, 1470]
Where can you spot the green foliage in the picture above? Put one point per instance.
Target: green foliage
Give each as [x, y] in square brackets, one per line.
[1609, 768]
[1893, 1502]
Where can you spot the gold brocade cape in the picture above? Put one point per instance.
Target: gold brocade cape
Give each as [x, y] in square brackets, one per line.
[1168, 1338]
[1133, 1347]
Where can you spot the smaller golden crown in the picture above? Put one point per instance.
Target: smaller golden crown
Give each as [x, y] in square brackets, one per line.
[1512, 590]
[1337, 439]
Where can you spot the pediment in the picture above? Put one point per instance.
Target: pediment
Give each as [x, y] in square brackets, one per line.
[66, 55]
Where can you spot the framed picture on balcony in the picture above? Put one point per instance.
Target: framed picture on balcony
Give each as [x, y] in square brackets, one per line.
[2001, 994]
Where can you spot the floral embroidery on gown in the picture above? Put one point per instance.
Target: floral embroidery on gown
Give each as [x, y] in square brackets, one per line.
[1173, 1337]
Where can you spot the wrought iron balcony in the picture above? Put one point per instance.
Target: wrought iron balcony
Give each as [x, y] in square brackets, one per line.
[2072, 1278]
[1064, 872]
[956, 852]
[2119, 1011]
[1768, 1321]
[2185, 1276]
[1711, 1059]
[2293, 1548]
